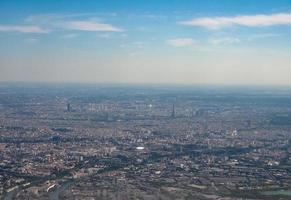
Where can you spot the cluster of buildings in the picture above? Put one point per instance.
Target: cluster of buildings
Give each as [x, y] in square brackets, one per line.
[148, 146]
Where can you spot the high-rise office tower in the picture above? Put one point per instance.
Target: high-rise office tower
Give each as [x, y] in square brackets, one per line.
[68, 107]
[173, 111]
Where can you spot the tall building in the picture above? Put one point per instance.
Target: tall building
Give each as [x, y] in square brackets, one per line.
[173, 111]
[68, 107]
[249, 123]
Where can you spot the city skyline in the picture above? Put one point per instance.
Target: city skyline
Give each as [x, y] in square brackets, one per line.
[176, 42]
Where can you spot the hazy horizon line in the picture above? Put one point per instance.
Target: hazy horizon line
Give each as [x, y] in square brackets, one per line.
[148, 84]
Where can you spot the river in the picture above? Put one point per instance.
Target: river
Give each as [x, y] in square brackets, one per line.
[10, 195]
[55, 193]
[277, 192]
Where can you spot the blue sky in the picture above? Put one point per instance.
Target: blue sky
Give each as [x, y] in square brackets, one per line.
[149, 41]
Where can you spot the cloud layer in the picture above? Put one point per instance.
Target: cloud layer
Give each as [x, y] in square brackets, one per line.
[181, 42]
[243, 20]
[22, 29]
[91, 26]
[55, 22]
[225, 40]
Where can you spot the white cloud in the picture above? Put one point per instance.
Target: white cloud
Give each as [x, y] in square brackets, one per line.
[135, 53]
[31, 40]
[22, 29]
[56, 17]
[69, 36]
[181, 42]
[91, 26]
[75, 21]
[225, 40]
[264, 36]
[139, 44]
[242, 20]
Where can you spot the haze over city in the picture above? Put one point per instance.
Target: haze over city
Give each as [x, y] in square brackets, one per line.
[242, 42]
[145, 99]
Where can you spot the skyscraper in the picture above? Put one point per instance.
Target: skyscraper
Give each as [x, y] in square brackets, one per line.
[68, 107]
[173, 111]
